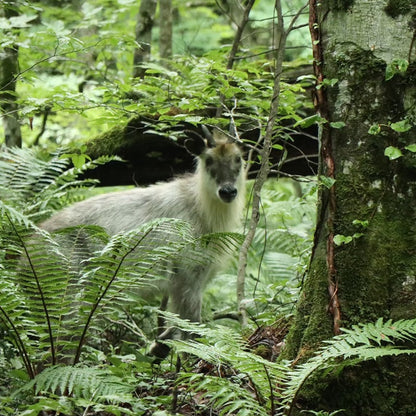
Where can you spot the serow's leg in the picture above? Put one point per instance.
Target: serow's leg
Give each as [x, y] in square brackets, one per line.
[186, 304]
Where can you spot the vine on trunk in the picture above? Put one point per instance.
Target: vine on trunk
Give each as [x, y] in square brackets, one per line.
[328, 164]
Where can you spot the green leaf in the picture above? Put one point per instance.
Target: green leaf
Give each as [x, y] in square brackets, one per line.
[411, 148]
[331, 82]
[327, 181]
[401, 126]
[396, 66]
[337, 124]
[17, 21]
[58, 27]
[340, 239]
[78, 160]
[374, 129]
[309, 121]
[392, 152]
[327, 83]
[363, 223]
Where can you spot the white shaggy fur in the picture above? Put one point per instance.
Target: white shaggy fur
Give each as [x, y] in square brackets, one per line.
[211, 200]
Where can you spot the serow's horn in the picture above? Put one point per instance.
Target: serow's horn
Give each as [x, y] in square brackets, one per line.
[232, 134]
[208, 136]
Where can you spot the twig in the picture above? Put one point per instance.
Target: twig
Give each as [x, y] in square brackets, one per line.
[235, 46]
[264, 167]
[48, 58]
[175, 389]
[225, 315]
[43, 127]
[237, 38]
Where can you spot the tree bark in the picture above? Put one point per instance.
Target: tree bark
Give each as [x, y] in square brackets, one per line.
[373, 275]
[9, 68]
[144, 26]
[165, 25]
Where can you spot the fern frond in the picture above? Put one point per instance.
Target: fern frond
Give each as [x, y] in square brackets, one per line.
[12, 216]
[64, 187]
[360, 343]
[133, 260]
[34, 182]
[230, 398]
[145, 254]
[250, 387]
[222, 347]
[13, 317]
[40, 284]
[24, 172]
[280, 266]
[81, 382]
[135, 256]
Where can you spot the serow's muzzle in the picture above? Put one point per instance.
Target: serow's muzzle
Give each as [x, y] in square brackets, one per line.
[227, 193]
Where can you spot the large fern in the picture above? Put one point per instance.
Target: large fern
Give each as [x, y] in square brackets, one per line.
[57, 296]
[360, 343]
[50, 304]
[50, 296]
[82, 382]
[240, 382]
[36, 183]
[249, 383]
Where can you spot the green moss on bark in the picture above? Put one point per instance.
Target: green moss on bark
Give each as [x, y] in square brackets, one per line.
[312, 323]
[107, 143]
[376, 273]
[396, 8]
[340, 4]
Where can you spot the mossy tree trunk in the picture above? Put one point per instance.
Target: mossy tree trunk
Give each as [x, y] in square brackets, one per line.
[166, 29]
[9, 68]
[144, 26]
[372, 199]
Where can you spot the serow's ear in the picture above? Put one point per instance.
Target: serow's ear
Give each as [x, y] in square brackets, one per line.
[195, 145]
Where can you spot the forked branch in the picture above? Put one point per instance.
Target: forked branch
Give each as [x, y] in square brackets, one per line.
[262, 175]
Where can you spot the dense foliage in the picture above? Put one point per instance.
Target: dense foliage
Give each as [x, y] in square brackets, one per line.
[76, 65]
[73, 348]
[74, 340]
[75, 81]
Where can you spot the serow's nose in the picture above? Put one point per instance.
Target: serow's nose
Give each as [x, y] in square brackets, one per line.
[227, 193]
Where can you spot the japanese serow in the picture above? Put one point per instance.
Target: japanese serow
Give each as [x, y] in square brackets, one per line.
[211, 200]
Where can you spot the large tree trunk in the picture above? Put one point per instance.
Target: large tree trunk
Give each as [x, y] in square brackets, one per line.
[9, 68]
[165, 26]
[373, 275]
[144, 26]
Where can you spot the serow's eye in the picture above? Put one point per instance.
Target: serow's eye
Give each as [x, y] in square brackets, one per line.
[237, 159]
[209, 161]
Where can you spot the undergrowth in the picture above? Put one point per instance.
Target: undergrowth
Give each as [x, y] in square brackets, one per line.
[74, 336]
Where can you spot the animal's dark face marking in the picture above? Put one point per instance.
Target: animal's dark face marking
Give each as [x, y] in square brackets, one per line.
[209, 161]
[223, 165]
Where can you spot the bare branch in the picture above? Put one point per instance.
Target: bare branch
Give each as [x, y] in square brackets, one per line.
[237, 38]
[264, 167]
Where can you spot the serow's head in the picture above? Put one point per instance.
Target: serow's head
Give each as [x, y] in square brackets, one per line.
[220, 166]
